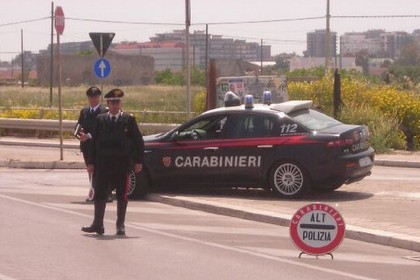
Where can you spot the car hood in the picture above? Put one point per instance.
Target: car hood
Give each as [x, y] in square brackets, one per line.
[153, 137]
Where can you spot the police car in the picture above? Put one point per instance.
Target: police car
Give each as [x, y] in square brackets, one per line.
[287, 147]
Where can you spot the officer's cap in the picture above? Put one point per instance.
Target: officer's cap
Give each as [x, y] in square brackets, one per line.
[114, 94]
[93, 91]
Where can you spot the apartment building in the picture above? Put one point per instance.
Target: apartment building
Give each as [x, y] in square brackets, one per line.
[315, 44]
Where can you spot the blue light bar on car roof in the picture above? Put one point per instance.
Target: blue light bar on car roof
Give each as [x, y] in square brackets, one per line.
[291, 106]
[249, 101]
[267, 97]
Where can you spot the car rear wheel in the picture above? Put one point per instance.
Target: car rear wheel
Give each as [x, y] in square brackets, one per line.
[138, 184]
[289, 179]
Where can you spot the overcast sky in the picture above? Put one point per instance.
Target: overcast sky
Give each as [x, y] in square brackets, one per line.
[283, 36]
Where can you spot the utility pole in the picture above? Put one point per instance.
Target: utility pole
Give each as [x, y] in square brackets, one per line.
[261, 54]
[207, 59]
[341, 53]
[52, 54]
[22, 58]
[327, 38]
[187, 50]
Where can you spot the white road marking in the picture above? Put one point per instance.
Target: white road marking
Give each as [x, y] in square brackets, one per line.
[4, 277]
[193, 240]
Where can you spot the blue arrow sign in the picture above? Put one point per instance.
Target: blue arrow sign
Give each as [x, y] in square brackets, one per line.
[102, 68]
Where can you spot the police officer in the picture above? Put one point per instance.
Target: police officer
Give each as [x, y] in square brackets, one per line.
[117, 146]
[231, 99]
[87, 116]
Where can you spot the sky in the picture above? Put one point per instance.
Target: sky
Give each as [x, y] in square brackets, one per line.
[163, 16]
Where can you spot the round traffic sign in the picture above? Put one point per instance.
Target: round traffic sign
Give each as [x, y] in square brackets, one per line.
[102, 68]
[59, 20]
[317, 229]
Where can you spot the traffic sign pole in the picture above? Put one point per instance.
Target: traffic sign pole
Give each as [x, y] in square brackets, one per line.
[59, 27]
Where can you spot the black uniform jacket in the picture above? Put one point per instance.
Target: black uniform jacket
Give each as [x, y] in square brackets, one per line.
[86, 121]
[119, 140]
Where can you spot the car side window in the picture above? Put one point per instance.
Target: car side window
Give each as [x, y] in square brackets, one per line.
[251, 126]
[204, 129]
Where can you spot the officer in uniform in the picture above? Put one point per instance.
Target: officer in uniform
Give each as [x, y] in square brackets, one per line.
[117, 146]
[87, 116]
[231, 99]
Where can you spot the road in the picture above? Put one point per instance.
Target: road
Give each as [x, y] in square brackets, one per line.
[41, 212]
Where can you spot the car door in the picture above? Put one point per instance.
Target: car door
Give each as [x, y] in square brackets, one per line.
[247, 149]
[189, 156]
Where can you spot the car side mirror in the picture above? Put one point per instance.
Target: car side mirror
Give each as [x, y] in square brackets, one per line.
[175, 136]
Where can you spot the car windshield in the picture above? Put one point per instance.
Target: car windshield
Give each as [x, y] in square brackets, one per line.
[314, 120]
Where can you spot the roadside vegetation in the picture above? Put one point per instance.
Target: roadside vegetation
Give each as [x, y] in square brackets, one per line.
[390, 108]
[391, 112]
[166, 103]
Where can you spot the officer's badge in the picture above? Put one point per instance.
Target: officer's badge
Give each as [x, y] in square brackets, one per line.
[167, 161]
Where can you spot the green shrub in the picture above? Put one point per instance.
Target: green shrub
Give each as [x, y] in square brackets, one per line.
[383, 128]
[358, 92]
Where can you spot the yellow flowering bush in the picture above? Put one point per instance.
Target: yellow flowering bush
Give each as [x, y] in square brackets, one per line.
[357, 95]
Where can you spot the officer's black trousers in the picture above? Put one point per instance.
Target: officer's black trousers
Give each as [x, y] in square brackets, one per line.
[111, 173]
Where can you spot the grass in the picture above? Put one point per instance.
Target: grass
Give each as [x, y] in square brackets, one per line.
[26, 102]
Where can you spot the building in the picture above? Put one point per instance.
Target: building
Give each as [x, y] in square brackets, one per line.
[169, 51]
[393, 42]
[313, 62]
[377, 43]
[77, 69]
[167, 55]
[315, 44]
[354, 42]
[71, 48]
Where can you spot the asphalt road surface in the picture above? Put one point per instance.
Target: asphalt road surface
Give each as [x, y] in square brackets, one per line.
[41, 212]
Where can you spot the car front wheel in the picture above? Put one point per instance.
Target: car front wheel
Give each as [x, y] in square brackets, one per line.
[138, 184]
[289, 179]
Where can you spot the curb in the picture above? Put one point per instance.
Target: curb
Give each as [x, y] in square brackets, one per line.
[38, 144]
[352, 232]
[79, 165]
[42, 165]
[397, 163]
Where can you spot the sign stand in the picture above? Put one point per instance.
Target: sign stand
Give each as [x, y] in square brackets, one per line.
[302, 253]
[317, 229]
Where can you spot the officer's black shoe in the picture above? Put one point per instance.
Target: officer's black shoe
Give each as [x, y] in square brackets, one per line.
[94, 228]
[109, 199]
[121, 229]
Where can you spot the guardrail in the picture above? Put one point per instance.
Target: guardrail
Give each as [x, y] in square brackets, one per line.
[143, 115]
[68, 126]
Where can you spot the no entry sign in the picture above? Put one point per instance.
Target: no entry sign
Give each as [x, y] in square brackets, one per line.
[317, 229]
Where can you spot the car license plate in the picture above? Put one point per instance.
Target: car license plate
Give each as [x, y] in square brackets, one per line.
[365, 161]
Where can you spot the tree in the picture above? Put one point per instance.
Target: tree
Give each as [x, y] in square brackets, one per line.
[362, 60]
[283, 61]
[410, 54]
